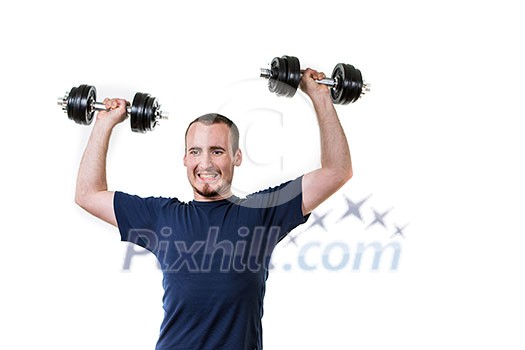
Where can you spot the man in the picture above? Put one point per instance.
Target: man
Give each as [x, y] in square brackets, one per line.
[214, 251]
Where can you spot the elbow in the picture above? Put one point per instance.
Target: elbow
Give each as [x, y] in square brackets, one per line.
[349, 174]
[81, 199]
[346, 175]
[340, 176]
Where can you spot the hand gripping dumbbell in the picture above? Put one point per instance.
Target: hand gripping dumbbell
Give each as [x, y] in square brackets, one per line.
[346, 84]
[80, 105]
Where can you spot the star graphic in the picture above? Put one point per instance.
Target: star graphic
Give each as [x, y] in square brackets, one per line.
[379, 218]
[399, 231]
[291, 239]
[353, 208]
[318, 220]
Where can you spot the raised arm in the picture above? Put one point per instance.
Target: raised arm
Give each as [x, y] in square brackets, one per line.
[336, 164]
[92, 190]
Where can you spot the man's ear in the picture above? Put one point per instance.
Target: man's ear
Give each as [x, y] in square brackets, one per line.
[238, 158]
[184, 159]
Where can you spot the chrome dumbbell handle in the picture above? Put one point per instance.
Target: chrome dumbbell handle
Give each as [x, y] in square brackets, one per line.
[267, 73]
[326, 81]
[159, 114]
[331, 82]
[99, 106]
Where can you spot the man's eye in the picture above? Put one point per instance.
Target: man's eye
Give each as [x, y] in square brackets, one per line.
[194, 152]
[218, 152]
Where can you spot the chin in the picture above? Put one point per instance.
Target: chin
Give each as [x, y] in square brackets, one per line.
[208, 191]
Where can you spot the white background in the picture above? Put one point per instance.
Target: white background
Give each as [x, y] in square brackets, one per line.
[439, 139]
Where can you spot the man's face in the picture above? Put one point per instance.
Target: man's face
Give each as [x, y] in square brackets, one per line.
[209, 161]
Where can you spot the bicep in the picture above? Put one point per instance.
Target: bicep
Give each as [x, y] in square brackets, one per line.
[100, 205]
[318, 185]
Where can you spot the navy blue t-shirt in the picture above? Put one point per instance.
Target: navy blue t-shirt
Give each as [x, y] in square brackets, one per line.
[214, 258]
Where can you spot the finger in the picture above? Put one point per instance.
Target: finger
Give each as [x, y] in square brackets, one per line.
[309, 72]
[317, 75]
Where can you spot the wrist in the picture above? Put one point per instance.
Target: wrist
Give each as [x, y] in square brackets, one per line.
[104, 125]
[322, 99]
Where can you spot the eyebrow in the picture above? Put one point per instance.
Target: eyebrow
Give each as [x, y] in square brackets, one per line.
[213, 148]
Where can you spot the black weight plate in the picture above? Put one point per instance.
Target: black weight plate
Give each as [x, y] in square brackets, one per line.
[283, 70]
[137, 112]
[154, 108]
[133, 112]
[84, 106]
[140, 115]
[349, 84]
[355, 83]
[75, 101]
[337, 91]
[283, 89]
[137, 108]
[279, 73]
[90, 95]
[78, 112]
[272, 85]
[69, 103]
[358, 81]
[93, 99]
[294, 72]
[145, 114]
[275, 67]
[293, 76]
[149, 114]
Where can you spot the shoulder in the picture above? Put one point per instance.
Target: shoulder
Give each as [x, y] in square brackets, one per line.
[274, 196]
[124, 199]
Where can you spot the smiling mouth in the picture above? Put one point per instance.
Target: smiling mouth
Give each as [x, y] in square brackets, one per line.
[208, 177]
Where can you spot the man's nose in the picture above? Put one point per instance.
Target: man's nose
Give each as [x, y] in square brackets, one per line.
[205, 160]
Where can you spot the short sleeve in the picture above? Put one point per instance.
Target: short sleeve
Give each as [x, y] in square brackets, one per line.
[137, 218]
[281, 206]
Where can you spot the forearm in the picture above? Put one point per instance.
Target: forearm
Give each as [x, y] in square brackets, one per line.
[335, 153]
[91, 177]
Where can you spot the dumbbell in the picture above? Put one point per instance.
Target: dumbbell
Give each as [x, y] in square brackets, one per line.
[81, 103]
[346, 84]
